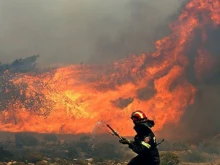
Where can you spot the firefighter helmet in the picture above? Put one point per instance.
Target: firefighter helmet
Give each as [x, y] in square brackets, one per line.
[138, 116]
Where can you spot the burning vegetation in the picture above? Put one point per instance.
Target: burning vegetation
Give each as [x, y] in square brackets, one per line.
[164, 83]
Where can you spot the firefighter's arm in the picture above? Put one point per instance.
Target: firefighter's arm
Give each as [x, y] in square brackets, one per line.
[124, 141]
[141, 147]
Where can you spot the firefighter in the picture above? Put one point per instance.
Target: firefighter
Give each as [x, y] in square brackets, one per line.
[144, 143]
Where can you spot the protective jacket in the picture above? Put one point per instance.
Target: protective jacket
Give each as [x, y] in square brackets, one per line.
[145, 146]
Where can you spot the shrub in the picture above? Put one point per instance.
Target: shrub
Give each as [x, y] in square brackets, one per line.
[195, 157]
[42, 163]
[50, 137]
[169, 158]
[173, 146]
[25, 139]
[68, 162]
[73, 152]
[106, 151]
[84, 145]
[5, 155]
[212, 147]
[180, 146]
[33, 157]
[19, 163]
[81, 162]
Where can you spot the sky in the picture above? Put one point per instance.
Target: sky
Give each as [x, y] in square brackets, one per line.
[88, 31]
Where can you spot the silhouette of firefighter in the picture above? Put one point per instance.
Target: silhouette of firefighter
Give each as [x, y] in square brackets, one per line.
[144, 143]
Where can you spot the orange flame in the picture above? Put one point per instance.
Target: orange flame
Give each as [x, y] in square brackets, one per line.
[78, 96]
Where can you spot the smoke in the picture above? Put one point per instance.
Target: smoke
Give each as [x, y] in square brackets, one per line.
[92, 31]
[201, 120]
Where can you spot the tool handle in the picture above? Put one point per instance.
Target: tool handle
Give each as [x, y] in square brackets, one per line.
[114, 132]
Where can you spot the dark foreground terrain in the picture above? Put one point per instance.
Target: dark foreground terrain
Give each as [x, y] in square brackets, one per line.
[51, 149]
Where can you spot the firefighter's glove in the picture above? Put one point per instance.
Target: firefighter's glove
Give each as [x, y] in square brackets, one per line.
[124, 141]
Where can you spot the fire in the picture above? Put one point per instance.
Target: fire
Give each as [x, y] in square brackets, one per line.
[72, 99]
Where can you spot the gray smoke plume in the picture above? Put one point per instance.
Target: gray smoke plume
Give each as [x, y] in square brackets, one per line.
[201, 120]
[89, 31]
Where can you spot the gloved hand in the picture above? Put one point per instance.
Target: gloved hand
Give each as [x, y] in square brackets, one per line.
[124, 141]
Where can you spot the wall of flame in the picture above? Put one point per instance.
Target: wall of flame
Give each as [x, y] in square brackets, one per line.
[76, 97]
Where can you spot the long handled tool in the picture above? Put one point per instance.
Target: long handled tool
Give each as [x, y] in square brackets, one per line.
[114, 132]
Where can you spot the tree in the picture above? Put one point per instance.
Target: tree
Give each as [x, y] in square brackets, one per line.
[84, 145]
[50, 137]
[25, 139]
